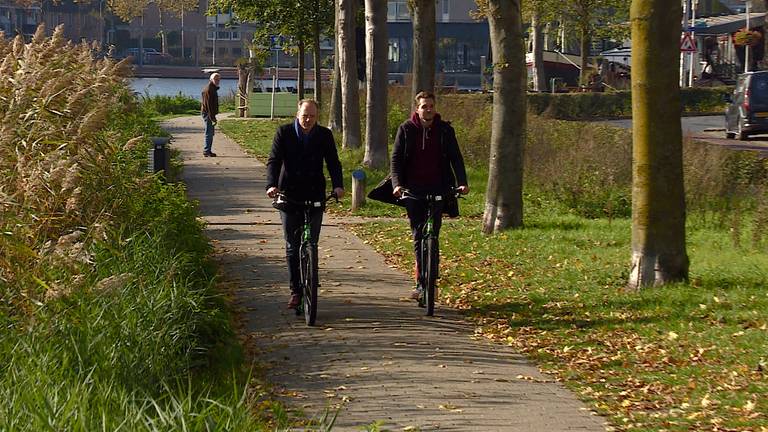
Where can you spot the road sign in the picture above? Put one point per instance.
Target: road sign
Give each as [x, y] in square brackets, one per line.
[687, 44]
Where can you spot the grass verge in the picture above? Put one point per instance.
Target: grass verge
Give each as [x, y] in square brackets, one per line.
[683, 357]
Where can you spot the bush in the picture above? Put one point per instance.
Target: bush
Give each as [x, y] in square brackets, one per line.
[586, 106]
[164, 105]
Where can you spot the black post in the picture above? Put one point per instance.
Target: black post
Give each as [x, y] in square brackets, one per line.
[161, 155]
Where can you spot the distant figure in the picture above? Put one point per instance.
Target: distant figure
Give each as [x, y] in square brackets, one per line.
[209, 109]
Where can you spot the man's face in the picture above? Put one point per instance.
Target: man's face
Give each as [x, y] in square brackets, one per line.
[307, 116]
[425, 108]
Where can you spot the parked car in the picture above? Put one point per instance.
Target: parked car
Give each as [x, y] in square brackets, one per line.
[747, 111]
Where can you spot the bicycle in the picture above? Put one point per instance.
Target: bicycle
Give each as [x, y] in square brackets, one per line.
[428, 249]
[307, 254]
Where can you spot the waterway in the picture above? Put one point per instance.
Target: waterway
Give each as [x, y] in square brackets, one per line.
[191, 87]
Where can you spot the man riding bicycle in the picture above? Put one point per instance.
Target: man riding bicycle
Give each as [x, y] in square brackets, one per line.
[426, 160]
[295, 168]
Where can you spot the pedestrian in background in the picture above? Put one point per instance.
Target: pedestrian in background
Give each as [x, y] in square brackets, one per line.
[209, 108]
[295, 168]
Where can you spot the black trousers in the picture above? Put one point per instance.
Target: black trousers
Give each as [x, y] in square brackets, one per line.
[292, 231]
[417, 215]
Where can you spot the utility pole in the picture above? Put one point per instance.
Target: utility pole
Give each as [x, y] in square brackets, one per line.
[692, 58]
[747, 3]
[684, 26]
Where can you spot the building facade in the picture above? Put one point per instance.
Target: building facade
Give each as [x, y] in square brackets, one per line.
[463, 43]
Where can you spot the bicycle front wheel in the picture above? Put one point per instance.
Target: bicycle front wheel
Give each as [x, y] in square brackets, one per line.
[430, 265]
[308, 267]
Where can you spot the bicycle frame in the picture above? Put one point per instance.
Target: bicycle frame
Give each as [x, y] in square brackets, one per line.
[307, 257]
[428, 249]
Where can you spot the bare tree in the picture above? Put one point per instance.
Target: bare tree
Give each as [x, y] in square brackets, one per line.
[658, 199]
[376, 85]
[424, 45]
[350, 88]
[334, 112]
[504, 193]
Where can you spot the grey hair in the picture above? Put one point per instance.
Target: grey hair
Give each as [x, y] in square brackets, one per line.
[308, 101]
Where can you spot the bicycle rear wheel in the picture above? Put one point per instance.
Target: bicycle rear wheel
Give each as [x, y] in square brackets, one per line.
[430, 265]
[308, 267]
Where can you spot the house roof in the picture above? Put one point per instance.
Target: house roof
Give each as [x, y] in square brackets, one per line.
[723, 24]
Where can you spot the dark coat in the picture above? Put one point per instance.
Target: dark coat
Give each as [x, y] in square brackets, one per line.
[297, 169]
[452, 163]
[209, 103]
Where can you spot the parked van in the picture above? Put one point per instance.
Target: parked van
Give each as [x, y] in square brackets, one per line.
[747, 112]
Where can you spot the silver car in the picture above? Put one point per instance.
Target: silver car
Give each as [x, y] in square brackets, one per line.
[747, 112]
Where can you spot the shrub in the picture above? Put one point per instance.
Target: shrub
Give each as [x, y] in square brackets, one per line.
[178, 104]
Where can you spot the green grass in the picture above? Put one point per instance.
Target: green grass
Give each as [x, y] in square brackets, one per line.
[690, 356]
[681, 357]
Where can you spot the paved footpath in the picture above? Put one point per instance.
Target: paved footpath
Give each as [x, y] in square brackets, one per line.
[371, 352]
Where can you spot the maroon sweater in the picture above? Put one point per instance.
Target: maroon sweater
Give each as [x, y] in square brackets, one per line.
[423, 164]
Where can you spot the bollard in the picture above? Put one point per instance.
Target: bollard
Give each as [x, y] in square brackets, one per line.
[358, 189]
[161, 155]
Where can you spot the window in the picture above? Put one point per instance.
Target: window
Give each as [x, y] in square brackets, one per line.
[237, 51]
[394, 50]
[397, 10]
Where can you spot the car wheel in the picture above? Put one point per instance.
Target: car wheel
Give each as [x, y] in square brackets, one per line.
[741, 135]
[730, 135]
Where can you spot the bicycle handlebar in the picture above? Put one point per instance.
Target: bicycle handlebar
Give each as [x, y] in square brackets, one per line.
[407, 194]
[315, 204]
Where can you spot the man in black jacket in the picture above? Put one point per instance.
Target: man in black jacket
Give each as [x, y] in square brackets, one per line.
[295, 168]
[426, 160]
[209, 109]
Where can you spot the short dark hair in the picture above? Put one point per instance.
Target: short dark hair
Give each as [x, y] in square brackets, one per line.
[307, 101]
[424, 95]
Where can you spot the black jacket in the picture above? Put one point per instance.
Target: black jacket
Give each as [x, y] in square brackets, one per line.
[296, 169]
[409, 134]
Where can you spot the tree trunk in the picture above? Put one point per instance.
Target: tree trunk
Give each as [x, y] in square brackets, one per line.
[334, 113]
[424, 46]
[316, 63]
[301, 66]
[658, 198]
[376, 150]
[504, 193]
[350, 88]
[586, 41]
[243, 72]
[163, 36]
[539, 79]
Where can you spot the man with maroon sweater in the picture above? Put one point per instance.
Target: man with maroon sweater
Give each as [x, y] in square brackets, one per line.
[426, 159]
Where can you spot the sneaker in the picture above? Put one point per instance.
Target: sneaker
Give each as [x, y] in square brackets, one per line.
[294, 302]
[417, 292]
[209, 154]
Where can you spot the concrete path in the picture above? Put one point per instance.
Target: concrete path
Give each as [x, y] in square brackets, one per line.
[371, 352]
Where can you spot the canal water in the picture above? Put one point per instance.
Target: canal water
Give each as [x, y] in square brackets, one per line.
[191, 87]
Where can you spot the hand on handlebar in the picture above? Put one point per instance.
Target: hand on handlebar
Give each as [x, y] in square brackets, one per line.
[272, 192]
[398, 191]
[463, 189]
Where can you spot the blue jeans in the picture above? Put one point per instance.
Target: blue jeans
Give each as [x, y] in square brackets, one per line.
[292, 231]
[208, 134]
